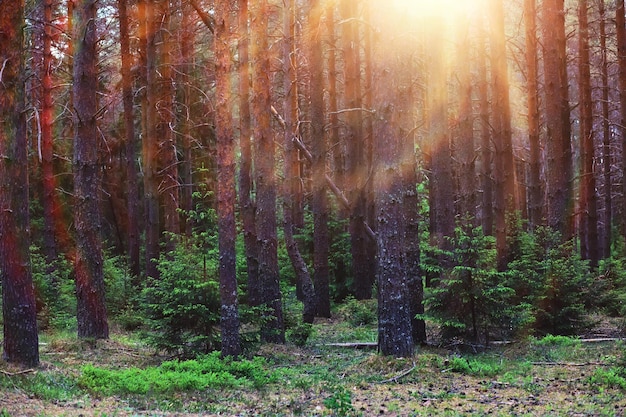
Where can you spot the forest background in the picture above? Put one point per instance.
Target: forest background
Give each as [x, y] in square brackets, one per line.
[185, 167]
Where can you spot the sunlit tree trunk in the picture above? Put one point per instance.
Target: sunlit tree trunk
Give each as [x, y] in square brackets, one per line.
[486, 173]
[558, 141]
[291, 168]
[168, 171]
[20, 339]
[535, 198]
[392, 123]
[319, 199]
[504, 174]
[88, 268]
[606, 132]
[246, 202]
[273, 329]
[132, 186]
[226, 195]
[442, 186]
[588, 207]
[355, 152]
[149, 144]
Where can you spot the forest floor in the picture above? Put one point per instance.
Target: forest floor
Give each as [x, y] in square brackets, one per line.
[534, 377]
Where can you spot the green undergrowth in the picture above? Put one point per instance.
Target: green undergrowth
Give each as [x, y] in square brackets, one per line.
[174, 376]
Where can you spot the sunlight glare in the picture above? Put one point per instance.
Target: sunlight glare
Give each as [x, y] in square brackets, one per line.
[436, 8]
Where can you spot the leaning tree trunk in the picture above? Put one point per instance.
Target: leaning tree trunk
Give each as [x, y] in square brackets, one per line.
[88, 259]
[20, 342]
[273, 329]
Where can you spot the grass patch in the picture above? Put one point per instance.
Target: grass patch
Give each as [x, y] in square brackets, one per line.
[173, 376]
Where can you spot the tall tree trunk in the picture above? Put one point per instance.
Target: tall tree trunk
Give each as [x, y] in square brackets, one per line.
[132, 182]
[558, 141]
[356, 166]
[606, 130]
[273, 329]
[185, 90]
[535, 198]
[168, 159]
[442, 187]
[486, 173]
[588, 206]
[49, 201]
[150, 146]
[392, 95]
[303, 277]
[20, 339]
[91, 307]
[620, 26]
[504, 163]
[226, 195]
[246, 202]
[319, 199]
[465, 153]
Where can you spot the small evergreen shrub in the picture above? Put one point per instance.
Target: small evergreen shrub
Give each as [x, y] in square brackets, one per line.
[182, 307]
[359, 312]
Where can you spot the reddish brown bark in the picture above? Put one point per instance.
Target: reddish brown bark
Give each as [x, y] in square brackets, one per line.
[132, 182]
[88, 259]
[226, 194]
[606, 131]
[20, 339]
[273, 329]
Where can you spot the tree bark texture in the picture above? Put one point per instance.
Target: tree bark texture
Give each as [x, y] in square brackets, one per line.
[273, 329]
[20, 339]
[319, 198]
[620, 26]
[246, 202]
[88, 267]
[226, 194]
[558, 141]
[535, 196]
[606, 130]
[132, 181]
[291, 167]
[588, 228]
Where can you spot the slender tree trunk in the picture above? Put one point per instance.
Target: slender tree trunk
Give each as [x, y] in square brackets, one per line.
[558, 142]
[319, 199]
[226, 194]
[588, 205]
[150, 147]
[357, 170]
[465, 144]
[606, 132]
[535, 198]
[620, 25]
[505, 201]
[442, 188]
[185, 79]
[167, 156]
[246, 202]
[486, 173]
[303, 277]
[132, 182]
[91, 307]
[273, 329]
[20, 339]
